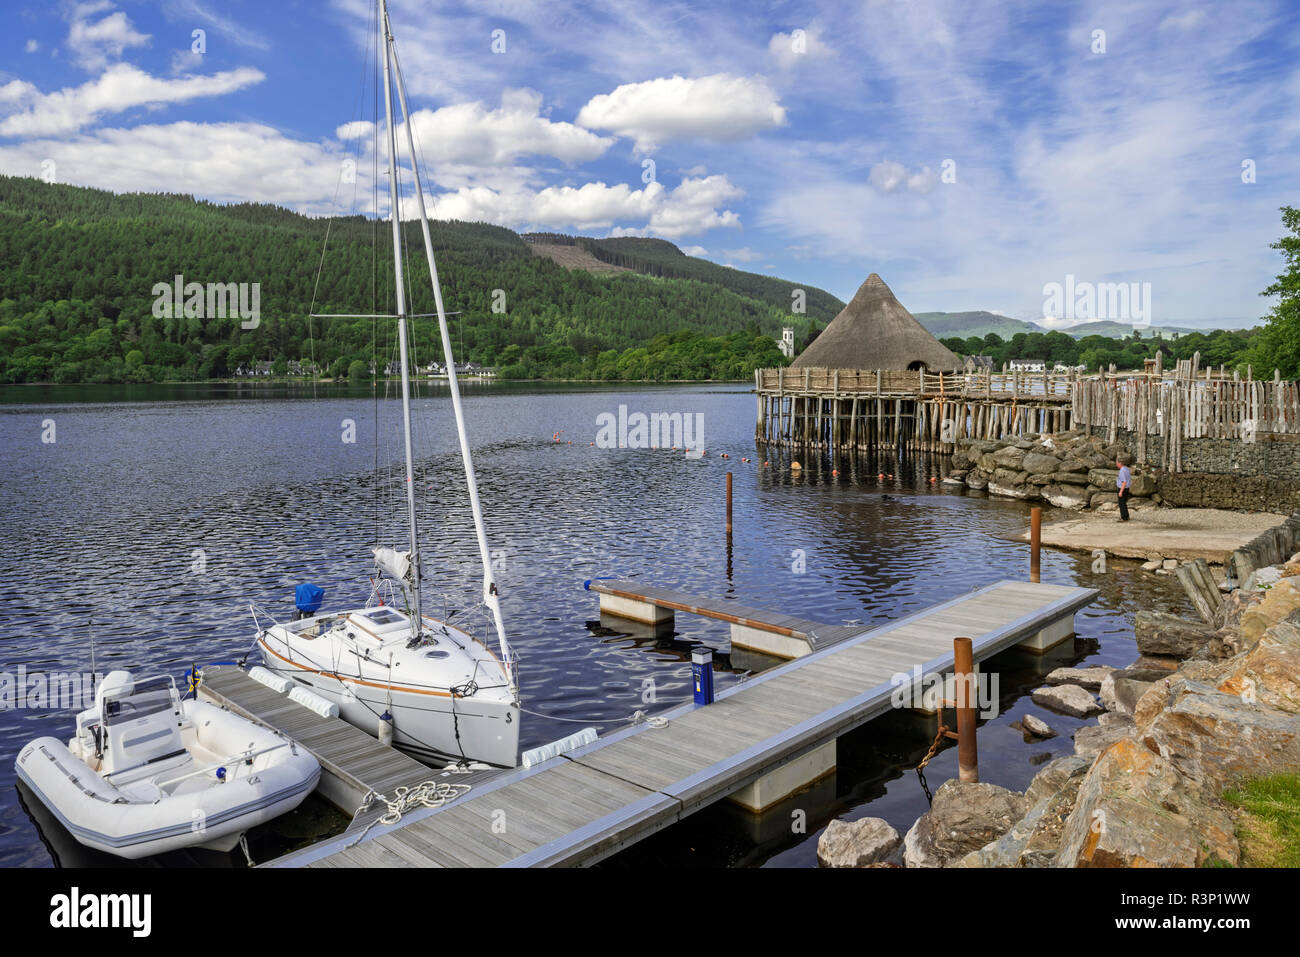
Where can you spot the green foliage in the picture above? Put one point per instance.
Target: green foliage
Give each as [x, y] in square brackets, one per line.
[1278, 347]
[78, 269]
[1268, 826]
[1221, 347]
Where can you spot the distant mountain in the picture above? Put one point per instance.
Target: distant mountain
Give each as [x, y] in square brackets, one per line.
[966, 324]
[1122, 330]
[662, 259]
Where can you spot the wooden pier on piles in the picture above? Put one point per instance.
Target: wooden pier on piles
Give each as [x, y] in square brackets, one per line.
[763, 739]
[913, 410]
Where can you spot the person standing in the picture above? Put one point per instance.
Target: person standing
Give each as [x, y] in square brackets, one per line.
[1122, 482]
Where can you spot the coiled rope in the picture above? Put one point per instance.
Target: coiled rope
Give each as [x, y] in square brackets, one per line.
[406, 798]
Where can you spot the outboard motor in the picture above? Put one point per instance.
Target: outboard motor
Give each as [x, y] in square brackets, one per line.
[308, 598]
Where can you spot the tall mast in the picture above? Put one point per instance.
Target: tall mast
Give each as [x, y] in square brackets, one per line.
[394, 211]
[490, 592]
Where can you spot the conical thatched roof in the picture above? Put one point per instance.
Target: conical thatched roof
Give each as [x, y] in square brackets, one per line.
[874, 331]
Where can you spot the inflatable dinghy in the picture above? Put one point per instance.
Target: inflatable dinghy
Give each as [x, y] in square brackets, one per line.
[149, 773]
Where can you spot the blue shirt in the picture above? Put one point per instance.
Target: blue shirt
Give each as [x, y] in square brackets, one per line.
[1124, 478]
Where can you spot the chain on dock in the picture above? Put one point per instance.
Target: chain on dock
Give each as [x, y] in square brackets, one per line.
[920, 768]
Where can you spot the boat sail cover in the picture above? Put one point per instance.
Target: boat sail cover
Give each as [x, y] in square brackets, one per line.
[397, 564]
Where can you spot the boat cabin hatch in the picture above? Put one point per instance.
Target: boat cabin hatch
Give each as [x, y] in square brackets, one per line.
[382, 622]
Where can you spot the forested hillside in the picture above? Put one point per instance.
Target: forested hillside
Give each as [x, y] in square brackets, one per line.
[78, 268]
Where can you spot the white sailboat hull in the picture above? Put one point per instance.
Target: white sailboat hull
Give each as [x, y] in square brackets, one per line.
[460, 707]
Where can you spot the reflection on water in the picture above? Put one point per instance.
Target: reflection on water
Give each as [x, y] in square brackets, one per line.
[152, 522]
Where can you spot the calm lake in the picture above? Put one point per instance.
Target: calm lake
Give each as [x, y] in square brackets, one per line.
[158, 514]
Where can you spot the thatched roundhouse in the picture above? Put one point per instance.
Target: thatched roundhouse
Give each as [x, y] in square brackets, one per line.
[874, 331]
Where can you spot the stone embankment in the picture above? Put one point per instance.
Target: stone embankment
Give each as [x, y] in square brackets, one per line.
[1069, 470]
[1206, 705]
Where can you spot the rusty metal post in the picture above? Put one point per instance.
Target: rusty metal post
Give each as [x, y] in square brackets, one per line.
[1035, 540]
[964, 678]
[728, 504]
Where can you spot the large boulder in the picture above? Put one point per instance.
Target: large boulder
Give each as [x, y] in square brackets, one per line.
[1055, 775]
[1141, 485]
[1215, 739]
[869, 840]
[1070, 478]
[1094, 739]
[1134, 809]
[1278, 602]
[963, 818]
[1103, 478]
[1040, 464]
[1007, 849]
[960, 460]
[1098, 499]
[1067, 699]
[977, 479]
[1120, 690]
[1269, 673]
[1074, 464]
[1045, 841]
[1161, 634]
[1066, 496]
[1089, 678]
[1010, 458]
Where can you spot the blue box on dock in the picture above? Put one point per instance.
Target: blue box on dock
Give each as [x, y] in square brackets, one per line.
[702, 674]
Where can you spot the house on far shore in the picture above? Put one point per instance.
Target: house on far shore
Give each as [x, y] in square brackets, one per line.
[255, 371]
[1028, 365]
[1062, 367]
[978, 364]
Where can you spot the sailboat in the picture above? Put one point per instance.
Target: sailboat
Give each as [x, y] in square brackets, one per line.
[424, 685]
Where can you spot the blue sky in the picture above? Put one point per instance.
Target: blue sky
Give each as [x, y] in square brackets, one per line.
[971, 153]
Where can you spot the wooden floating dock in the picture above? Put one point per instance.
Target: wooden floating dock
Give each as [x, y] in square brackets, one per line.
[352, 762]
[769, 632]
[764, 739]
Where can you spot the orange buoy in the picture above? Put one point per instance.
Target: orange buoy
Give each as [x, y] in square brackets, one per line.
[767, 463]
[835, 471]
[881, 476]
[796, 465]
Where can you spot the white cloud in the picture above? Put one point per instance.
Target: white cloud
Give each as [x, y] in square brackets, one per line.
[355, 130]
[473, 135]
[690, 208]
[94, 44]
[694, 250]
[743, 255]
[719, 107]
[798, 46]
[220, 161]
[120, 87]
[32, 46]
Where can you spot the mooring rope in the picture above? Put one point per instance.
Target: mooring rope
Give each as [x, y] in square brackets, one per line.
[424, 794]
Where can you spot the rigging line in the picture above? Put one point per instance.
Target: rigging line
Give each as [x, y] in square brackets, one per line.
[329, 223]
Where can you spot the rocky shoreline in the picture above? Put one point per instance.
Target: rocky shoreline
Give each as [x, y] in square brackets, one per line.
[1069, 470]
[1205, 706]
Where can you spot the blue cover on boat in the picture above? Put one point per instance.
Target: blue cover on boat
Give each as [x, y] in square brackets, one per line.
[309, 597]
